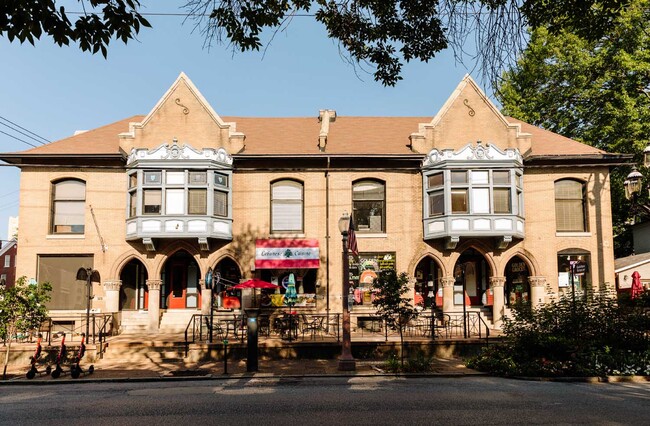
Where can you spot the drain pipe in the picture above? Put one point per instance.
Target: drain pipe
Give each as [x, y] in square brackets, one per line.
[327, 240]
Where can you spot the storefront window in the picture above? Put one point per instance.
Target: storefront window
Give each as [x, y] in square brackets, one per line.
[578, 279]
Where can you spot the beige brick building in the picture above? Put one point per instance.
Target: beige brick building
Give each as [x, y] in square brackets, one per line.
[466, 199]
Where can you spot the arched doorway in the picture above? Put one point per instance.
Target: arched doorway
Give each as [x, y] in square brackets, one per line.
[180, 288]
[133, 292]
[427, 278]
[471, 272]
[230, 275]
[517, 287]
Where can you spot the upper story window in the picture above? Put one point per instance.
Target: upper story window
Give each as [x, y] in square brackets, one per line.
[7, 261]
[68, 207]
[369, 205]
[178, 192]
[476, 191]
[570, 206]
[287, 206]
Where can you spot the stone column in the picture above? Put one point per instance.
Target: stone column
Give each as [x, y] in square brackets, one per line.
[448, 294]
[496, 284]
[112, 295]
[206, 298]
[537, 291]
[154, 304]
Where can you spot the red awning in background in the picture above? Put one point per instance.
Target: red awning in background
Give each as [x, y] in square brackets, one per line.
[286, 254]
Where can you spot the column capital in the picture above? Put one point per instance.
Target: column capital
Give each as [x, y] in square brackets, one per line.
[112, 285]
[154, 284]
[537, 281]
[202, 284]
[447, 281]
[497, 281]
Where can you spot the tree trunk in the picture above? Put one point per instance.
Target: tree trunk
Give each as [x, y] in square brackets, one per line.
[10, 332]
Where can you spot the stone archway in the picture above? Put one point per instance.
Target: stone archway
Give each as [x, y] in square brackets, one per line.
[472, 273]
[134, 294]
[428, 282]
[517, 286]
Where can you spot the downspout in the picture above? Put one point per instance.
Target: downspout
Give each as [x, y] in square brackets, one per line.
[327, 239]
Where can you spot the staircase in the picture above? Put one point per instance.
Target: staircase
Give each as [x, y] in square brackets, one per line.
[134, 322]
[176, 320]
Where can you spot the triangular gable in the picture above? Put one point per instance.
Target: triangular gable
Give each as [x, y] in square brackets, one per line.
[182, 113]
[469, 116]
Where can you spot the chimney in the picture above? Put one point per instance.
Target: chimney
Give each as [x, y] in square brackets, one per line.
[325, 116]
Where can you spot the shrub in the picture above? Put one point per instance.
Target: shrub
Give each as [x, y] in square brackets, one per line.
[592, 336]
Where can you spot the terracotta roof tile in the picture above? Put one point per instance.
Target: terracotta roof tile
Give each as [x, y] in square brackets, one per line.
[102, 140]
[545, 142]
[299, 136]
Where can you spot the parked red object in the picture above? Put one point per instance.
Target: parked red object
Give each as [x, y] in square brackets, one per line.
[637, 287]
[254, 283]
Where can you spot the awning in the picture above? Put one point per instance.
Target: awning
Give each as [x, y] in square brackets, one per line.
[286, 254]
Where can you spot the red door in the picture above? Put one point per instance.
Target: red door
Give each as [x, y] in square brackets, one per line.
[177, 286]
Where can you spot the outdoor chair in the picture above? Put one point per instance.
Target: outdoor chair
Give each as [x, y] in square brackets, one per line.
[217, 328]
[313, 326]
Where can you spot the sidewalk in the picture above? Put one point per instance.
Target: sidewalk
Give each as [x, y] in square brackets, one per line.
[112, 371]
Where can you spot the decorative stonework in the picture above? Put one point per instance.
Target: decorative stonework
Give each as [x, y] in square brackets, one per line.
[177, 151]
[497, 282]
[469, 152]
[186, 110]
[154, 284]
[471, 111]
[447, 281]
[202, 284]
[538, 281]
[113, 285]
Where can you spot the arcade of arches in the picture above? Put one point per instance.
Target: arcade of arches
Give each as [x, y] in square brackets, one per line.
[474, 285]
[471, 284]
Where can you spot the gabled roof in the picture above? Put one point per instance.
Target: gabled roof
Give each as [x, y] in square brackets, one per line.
[299, 136]
[623, 263]
[8, 246]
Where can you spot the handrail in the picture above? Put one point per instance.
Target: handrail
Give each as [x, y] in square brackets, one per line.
[100, 324]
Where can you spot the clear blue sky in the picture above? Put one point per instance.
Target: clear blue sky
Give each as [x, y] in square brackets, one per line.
[54, 91]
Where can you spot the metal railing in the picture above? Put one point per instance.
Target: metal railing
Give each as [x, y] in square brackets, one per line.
[99, 326]
[198, 328]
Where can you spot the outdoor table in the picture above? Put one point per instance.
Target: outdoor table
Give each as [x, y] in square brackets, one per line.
[289, 326]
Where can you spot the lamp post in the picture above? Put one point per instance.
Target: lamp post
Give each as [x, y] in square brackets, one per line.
[89, 275]
[346, 361]
[633, 183]
[208, 286]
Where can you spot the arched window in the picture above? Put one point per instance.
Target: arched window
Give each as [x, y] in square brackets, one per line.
[574, 270]
[369, 205]
[570, 206]
[68, 207]
[287, 206]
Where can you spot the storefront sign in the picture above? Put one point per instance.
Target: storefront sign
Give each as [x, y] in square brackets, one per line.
[286, 254]
[363, 271]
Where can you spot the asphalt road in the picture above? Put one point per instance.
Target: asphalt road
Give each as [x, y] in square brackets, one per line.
[327, 401]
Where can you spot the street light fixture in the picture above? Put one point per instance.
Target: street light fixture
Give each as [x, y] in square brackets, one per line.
[89, 275]
[346, 361]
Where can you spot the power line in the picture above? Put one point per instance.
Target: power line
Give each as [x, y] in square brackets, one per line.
[28, 131]
[18, 139]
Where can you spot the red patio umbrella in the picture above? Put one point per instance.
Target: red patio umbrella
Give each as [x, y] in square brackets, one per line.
[637, 287]
[255, 283]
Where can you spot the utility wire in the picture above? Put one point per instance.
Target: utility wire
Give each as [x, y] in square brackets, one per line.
[18, 139]
[44, 140]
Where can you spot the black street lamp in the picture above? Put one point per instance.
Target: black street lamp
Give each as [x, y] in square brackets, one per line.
[346, 361]
[633, 182]
[208, 286]
[89, 275]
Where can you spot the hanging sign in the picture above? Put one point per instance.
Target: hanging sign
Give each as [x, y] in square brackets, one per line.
[286, 254]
